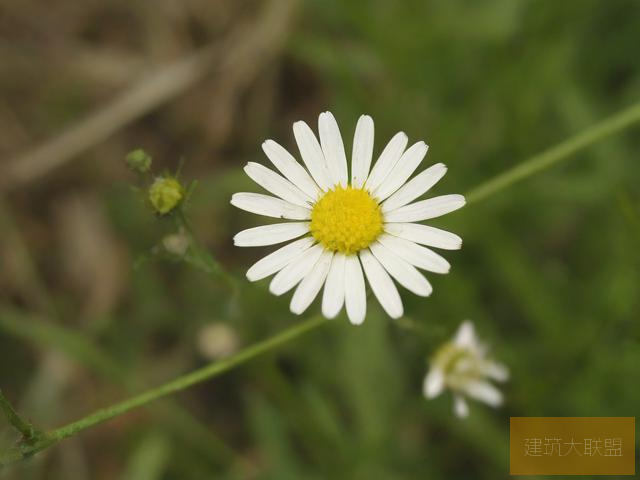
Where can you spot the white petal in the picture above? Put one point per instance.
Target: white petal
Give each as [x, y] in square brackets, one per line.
[333, 148]
[425, 235]
[466, 335]
[270, 234]
[275, 261]
[416, 187]
[460, 407]
[296, 270]
[290, 168]
[405, 273]
[433, 383]
[405, 167]
[269, 206]
[425, 209]
[387, 160]
[483, 392]
[383, 287]
[415, 254]
[276, 184]
[312, 155]
[362, 151]
[355, 295]
[496, 371]
[333, 295]
[311, 284]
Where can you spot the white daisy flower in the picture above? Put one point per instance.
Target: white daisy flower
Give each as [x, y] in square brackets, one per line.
[462, 365]
[353, 224]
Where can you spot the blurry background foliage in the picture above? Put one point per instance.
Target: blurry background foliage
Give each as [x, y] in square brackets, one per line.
[549, 269]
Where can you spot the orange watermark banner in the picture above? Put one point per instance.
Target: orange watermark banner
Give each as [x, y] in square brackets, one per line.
[572, 446]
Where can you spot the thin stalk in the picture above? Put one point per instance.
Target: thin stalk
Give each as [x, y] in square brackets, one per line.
[554, 155]
[28, 431]
[76, 346]
[181, 383]
[564, 150]
[201, 258]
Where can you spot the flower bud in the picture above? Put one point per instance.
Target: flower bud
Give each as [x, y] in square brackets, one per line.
[165, 194]
[138, 161]
[176, 243]
[217, 340]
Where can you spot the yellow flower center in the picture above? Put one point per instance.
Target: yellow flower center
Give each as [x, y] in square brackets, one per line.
[346, 220]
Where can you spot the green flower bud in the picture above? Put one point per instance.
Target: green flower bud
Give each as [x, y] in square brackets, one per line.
[165, 194]
[138, 161]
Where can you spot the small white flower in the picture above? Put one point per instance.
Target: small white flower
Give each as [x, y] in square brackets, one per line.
[351, 223]
[462, 365]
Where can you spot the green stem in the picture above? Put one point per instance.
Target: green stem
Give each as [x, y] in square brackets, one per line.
[177, 385]
[28, 431]
[201, 259]
[78, 347]
[539, 162]
[562, 151]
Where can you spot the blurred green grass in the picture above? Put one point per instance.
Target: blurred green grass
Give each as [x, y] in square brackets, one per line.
[549, 270]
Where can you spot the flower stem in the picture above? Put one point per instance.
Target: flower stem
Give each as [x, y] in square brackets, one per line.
[201, 259]
[181, 383]
[553, 155]
[41, 441]
[28, 431]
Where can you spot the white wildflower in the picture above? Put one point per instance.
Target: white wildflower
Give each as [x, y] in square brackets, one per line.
[462, 366]
[354, 225]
